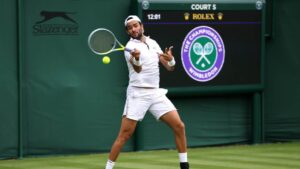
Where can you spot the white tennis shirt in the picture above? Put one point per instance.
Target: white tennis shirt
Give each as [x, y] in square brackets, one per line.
[149, 58]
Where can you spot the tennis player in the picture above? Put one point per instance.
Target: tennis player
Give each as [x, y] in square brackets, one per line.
[143, 92]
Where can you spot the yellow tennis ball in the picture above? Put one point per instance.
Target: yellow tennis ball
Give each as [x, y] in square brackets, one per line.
[106, 60]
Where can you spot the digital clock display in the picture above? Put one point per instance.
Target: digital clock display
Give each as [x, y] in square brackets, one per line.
[154, 16]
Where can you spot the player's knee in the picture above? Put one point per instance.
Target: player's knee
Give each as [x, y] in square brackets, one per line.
[125, 135]
[180, 127]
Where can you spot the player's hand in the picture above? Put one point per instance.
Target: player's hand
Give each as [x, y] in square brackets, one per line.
[169, 51]
[168, 55]
[136, 54]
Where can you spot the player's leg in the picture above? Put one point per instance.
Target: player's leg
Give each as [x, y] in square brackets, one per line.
[127, 128]
[135, 109]
[173, 120]
[163, 109]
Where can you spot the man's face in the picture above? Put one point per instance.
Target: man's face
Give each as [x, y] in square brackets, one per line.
[135, 29]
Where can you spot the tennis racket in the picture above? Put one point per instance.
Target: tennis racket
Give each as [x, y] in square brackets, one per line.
[102, 42]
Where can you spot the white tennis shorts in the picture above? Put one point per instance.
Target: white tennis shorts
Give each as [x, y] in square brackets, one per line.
[141, 100]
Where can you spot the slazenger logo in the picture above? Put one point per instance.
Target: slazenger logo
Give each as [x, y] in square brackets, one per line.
[203, 53]
[43, 27]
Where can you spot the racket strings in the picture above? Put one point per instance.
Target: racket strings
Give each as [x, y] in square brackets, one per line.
[102, 41]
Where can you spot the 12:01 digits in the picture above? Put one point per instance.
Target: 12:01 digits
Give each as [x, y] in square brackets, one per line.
[154, 16]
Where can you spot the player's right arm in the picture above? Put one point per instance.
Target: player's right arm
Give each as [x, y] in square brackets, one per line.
[135, 60]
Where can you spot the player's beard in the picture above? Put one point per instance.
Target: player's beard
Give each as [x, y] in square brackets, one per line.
[140, 34]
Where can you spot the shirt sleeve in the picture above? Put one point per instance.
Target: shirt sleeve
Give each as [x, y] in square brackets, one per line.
[157, 47]
[127, 55]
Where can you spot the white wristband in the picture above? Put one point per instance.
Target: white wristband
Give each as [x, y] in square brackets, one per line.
[172, 62]
[135, 62]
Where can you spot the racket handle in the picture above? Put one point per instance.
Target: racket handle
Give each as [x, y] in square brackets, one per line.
[127, 49]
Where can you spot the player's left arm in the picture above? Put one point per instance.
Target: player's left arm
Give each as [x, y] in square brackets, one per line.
[167, 59]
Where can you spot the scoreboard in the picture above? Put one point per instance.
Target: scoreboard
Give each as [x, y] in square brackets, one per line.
[218, 45]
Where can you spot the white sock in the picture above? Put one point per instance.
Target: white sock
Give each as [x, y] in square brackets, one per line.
[110, 164]
[183, 157]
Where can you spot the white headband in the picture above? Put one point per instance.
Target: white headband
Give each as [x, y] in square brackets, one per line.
[131, 18]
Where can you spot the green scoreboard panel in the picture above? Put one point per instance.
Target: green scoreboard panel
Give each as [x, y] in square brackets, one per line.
[218, 45]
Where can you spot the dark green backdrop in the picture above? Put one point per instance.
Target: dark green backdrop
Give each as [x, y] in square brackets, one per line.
[282, 92]
[69, 102]
[8, 79]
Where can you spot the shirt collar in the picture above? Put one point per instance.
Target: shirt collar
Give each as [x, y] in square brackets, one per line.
[136, 40]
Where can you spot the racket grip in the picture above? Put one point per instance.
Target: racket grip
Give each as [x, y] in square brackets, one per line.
[127, 49]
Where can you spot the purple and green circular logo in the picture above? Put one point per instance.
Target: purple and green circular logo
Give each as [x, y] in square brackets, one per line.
[203, 53]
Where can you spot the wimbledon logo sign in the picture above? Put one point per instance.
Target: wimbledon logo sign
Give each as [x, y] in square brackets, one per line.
[203, 53]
